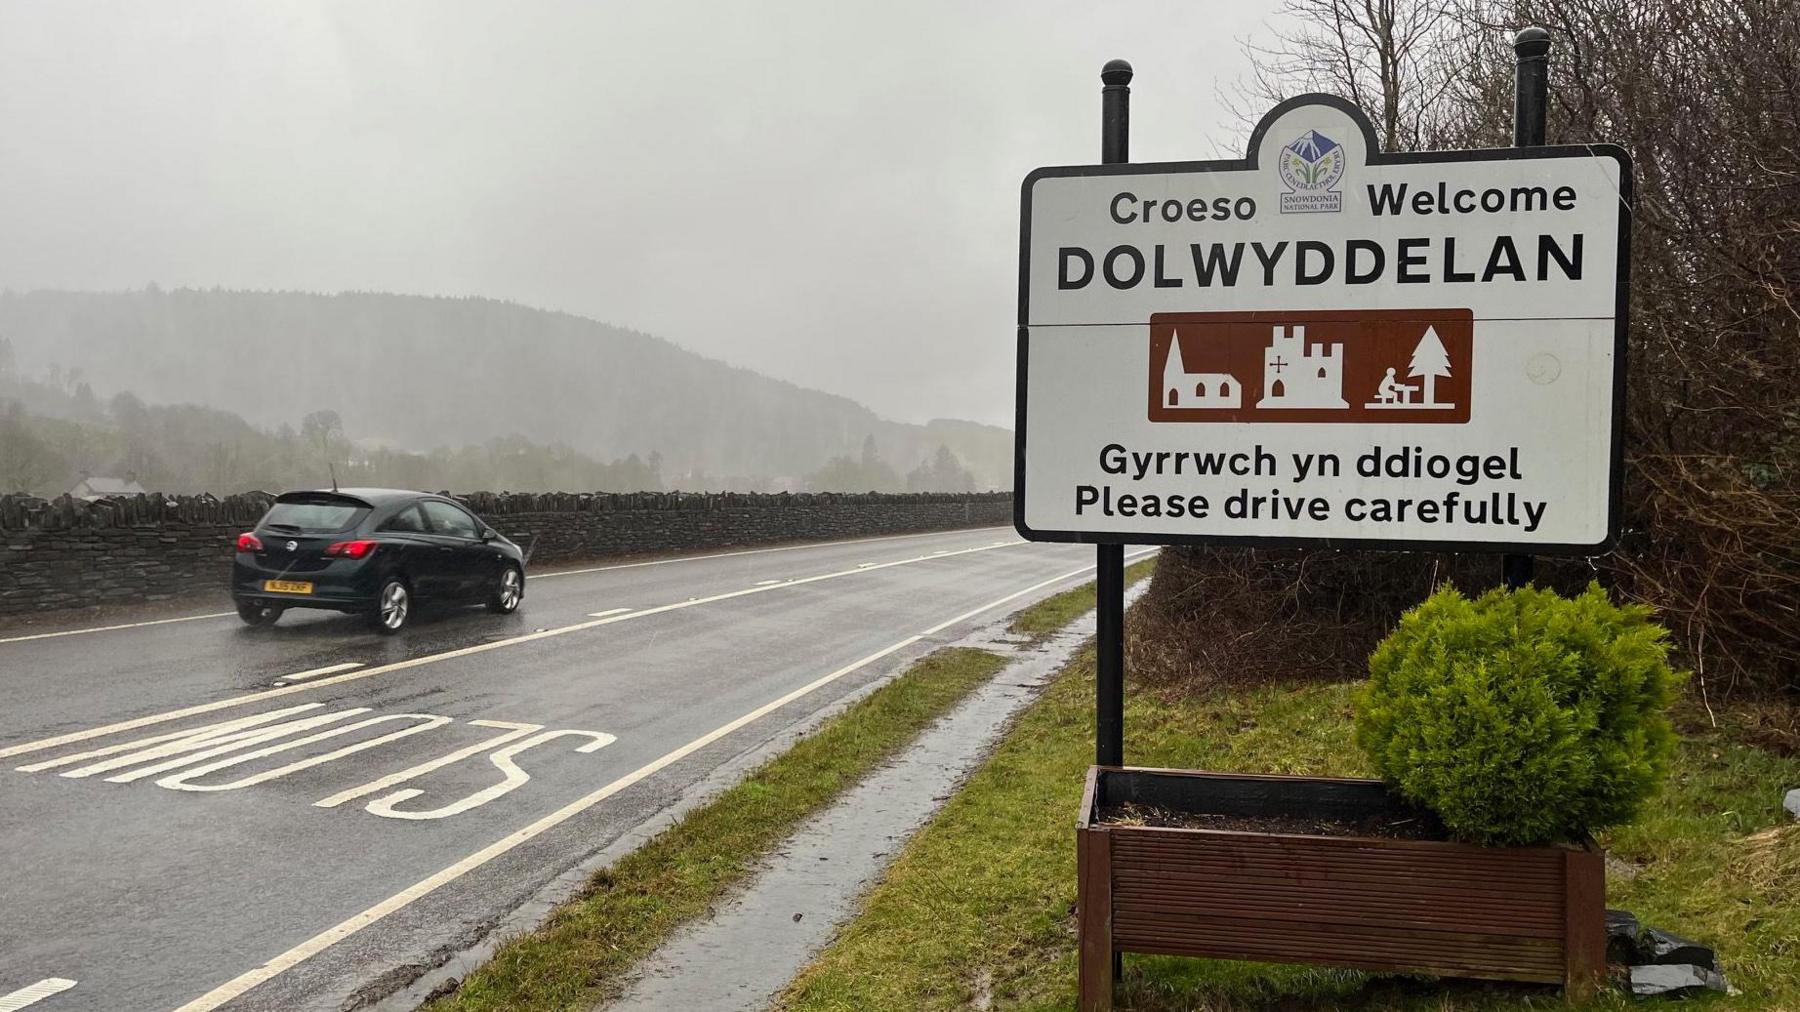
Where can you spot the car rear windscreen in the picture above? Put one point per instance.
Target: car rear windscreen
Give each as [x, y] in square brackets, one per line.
[314, 517]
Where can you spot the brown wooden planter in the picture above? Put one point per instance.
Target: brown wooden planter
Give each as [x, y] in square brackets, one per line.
[1412, 906]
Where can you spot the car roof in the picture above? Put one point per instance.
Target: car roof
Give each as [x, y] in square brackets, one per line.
[375, 497]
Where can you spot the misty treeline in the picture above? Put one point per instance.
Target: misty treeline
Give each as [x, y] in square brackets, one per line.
[414, 373]
[55, 431]
[868, 472]
[1705, 94]
[54, 435]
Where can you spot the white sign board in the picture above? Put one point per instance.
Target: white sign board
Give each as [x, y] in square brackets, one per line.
[1323, 344]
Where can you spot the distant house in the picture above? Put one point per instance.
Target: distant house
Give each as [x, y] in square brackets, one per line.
[99, 487]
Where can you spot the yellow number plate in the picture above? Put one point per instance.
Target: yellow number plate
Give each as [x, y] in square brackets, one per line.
[287, 587]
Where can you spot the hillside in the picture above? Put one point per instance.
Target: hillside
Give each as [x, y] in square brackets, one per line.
[419, 372]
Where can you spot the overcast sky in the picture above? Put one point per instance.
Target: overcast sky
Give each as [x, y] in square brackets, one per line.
[825, 191]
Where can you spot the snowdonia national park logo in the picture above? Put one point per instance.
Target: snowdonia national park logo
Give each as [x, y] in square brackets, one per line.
[1311, 167]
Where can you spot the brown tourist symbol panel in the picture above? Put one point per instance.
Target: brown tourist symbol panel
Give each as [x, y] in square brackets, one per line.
[1408, 366]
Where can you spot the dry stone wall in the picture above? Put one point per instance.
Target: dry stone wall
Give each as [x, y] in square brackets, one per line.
[66, 553]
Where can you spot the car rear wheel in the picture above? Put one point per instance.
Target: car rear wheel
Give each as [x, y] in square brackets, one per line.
[258, 614]
[508, 592]
[393, 606]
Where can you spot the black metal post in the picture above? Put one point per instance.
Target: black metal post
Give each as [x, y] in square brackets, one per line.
[1531, 87]
[1531, 102]
[1109, 560]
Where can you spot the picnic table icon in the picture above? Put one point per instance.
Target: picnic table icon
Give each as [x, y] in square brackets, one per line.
[1430, 360]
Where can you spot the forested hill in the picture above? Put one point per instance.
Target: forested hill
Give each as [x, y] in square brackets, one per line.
[419, 372]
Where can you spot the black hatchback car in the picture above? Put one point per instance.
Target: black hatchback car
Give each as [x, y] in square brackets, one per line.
[376, 551]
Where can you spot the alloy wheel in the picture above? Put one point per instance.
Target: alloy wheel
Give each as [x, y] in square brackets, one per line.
[394, 605]
[512, 589]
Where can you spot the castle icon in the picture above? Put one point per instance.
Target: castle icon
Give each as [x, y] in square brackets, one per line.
[1183, 389]
[1296, 376]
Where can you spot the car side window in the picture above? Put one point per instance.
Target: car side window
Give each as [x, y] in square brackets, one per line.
[451, 520]
[407, 521]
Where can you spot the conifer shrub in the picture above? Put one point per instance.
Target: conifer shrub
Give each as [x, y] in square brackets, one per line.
[1521, 717]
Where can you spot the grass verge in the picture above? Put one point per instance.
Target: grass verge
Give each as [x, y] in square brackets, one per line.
[576, 957]
[579, 956]
[977, 910]
[1056, 611]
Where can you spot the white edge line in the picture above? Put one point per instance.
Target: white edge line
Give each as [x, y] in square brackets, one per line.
[609, 611]
[424, 887]
[413, 662]
[318, 943]
[110, 628]
[332, 669]
[757, 551]
[35, 993]
[1083, 571]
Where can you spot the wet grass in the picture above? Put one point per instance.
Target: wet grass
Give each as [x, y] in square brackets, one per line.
[1052, 613]
[978, 909]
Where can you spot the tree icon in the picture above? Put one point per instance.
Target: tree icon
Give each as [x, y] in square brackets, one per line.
[1429, 360]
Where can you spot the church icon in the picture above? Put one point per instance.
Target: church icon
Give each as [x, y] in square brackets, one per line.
[1183, 389]
[1298, 376]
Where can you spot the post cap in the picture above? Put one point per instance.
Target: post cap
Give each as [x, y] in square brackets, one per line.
[1116, 72]
[1532, 43]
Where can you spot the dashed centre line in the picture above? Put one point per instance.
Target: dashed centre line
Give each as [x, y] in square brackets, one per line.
[16, 1000]
[532, 576]
[479, 648]
[330, 669]
[752, 551]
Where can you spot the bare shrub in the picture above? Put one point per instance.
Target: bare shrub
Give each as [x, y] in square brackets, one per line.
[1706, 97]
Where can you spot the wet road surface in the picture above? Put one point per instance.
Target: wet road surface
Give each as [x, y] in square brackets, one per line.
[199, 815]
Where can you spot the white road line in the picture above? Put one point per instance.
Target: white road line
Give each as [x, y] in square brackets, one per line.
[609, 611]
[1083, 571]
[755, 551]
[533, 576]
[350, 676]
[332, 669]
[424, 887]
[765, 583]
[110, 628]
[35, 993]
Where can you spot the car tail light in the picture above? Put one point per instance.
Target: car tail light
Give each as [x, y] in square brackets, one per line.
[353, 549]
[248, 542]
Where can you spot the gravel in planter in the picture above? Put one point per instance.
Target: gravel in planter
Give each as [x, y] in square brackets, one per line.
[1385, 825]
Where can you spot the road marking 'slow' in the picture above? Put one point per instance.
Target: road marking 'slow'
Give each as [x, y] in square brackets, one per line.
[609, 611]
[35, 993]
[325, 939]
[754, 551]
[350, 676]
[331, 669]
[399, 901]
[110, 628]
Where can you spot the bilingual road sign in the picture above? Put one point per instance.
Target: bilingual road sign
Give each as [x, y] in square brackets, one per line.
[1324, 344]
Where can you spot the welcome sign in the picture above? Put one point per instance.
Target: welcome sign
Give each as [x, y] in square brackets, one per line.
[1325, 344]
